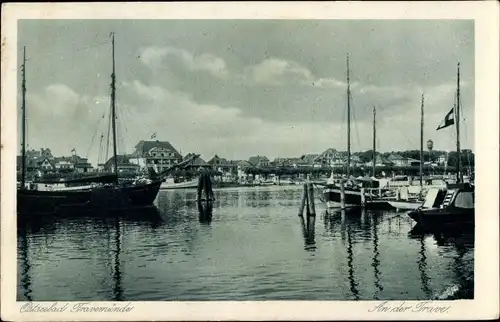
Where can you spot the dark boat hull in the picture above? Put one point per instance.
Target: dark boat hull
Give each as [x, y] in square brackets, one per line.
[102, 198]
[33, 201]
[443, 217]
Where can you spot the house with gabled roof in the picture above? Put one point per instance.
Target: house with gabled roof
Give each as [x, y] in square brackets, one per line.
[196, 163]
[398, 160]
[45, 164]
[155, 154]
[310, 159]
[218, 161]
[259, 161]
[331, 158]
[380, 162]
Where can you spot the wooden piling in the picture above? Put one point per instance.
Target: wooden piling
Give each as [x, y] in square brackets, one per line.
[342, 195]
[310, 197]
[303, 202]
[363, 197]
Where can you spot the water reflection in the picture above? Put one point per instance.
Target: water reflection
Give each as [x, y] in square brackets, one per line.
[422, 267]
[117, 274]
[308, 232]
[350, 254]
[376, 257]
[462, 242]
[25, 263]
[183, 250]
[205, 210]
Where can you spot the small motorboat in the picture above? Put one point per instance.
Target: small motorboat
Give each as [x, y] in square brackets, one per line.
[170, 183]
[453, 206]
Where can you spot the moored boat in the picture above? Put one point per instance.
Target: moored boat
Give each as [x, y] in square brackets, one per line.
[455, 206]
[170, 183]
[99, 194]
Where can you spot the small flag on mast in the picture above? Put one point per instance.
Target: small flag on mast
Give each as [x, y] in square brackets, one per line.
[449, 119]
[153, 135]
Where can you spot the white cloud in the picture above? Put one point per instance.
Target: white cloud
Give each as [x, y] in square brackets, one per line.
[211, 129]
[155, 57]
[274, 71]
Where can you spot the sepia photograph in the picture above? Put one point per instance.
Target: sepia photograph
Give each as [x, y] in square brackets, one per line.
[238, 159]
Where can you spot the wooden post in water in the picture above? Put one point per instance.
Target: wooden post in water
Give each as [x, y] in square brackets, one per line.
[310, 198]
[303, 202]
[205, 185]
[342, 194]
[363, 197]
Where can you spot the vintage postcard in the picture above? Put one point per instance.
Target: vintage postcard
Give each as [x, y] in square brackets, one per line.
[249, 161]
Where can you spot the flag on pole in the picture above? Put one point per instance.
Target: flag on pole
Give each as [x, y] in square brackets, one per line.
[153, 135]
[449, 119]
[73, 150]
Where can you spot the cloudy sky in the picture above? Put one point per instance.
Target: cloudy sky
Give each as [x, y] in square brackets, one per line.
[241, 87]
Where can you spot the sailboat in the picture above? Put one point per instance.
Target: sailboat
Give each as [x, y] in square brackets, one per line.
[105, 193]
[455, 205]
[418, 202]
[352, 188]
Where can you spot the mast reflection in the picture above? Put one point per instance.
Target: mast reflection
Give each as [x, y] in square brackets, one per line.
[422, 267]
[350, 254]
[376, 258]
[25, 263]
[117, 274]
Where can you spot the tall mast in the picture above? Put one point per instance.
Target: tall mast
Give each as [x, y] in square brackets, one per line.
[374, 140]
[113, 106]
[348, 120]
[421, 139]
[457, 122]
[23, 149]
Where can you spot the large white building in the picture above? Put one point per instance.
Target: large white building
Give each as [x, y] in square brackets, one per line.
[159, 155]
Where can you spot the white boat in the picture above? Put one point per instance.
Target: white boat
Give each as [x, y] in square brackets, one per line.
[169, 183]
[405, 205]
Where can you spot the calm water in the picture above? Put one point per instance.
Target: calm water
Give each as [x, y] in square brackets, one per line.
[254, 247]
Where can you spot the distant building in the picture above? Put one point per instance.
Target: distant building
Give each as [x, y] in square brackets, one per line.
[242, 166]
[197, 163]
[155, 154]
[355, 161]
[413, 162]
[259, 161]
[123, 163]
[310, 160]
[45, 164]
[46, 153]
[331, 158]
[64, 164]
[31, 164]
[380, 162]
[217, 161]
[442, 159]
[398, 160]
[223, 165]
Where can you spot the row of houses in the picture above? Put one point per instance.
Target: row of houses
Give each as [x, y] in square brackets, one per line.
[162, 155]
[43, 160]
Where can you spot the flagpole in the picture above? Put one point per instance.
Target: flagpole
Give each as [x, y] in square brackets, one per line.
[457, 123]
